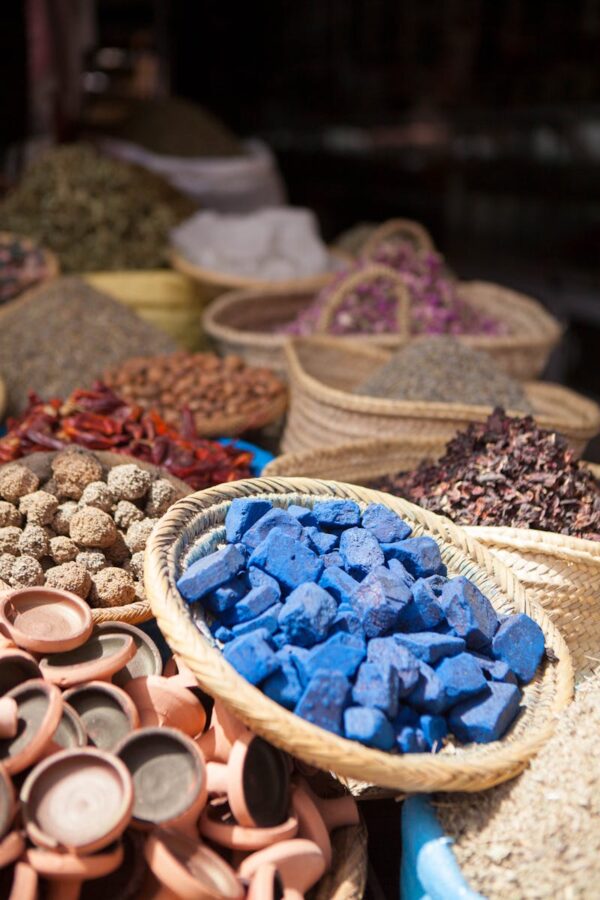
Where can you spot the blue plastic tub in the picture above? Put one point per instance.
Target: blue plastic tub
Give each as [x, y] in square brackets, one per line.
[261, 457]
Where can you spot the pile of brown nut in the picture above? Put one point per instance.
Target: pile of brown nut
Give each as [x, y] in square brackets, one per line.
[83, 530]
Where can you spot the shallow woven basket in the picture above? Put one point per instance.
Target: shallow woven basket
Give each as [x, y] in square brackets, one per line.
[561, 573]
[139, 610]
[193, 527]
[323, 411]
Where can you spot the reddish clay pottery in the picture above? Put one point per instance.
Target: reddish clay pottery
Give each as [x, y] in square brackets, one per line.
[11, 848]
[189, 870]
[300, 863]
[7, 801]
[16, 666]
[224, 731]
[9, 719]
[266, 884]
[66, 872]
[24, 884]
[256, 781]
[69, 734]
[317, 817]
[169, 777]
[218, 824]
[126, 881]
[106, 711]
[77, 800]
[159, 701]
[147, 659]
[39, 711]
[98, 659]
[44, 620]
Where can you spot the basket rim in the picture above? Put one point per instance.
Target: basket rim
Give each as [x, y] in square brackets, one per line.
[470, 769]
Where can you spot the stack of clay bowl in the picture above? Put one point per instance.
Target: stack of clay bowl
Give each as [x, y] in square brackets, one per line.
[128, 779]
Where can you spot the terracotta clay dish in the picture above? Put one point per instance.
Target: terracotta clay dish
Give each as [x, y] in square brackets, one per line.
[224, 731]
[256, 781]
[189, 869]
[266, 884]
[177, 672]
[11, 848]
[98, 659]
[72, 868]
[77, 800]
[39, 711]
[147, 659]
[106, 712]
[16, 666]
[24, 883]
[300, 863]
[7, 801]
[9, 717]
[317, 816]
[124, 882]
[160, 701]
[169, 778]
[218, 824]
[70, 732]
[44, 620]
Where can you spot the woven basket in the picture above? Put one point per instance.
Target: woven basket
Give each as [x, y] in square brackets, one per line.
[2, 398]
[561, 573]
[168, 300]
[193, 527]
[139, 610]
[323, 411]
[405, 229]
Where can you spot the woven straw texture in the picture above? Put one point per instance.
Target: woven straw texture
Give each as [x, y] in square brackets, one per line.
[194, 527]
[561, 573]
[406, 229]
[139, 610]
[323, 411]
[347, 877]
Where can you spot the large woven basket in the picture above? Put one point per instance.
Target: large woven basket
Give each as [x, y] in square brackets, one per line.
[324, 412]
[561, 573]
[139, 610]
[193, 527]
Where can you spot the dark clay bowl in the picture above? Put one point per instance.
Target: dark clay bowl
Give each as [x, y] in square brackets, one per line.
[107, 713]
[147, 659]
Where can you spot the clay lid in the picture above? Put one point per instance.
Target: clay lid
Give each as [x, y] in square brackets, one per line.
[11, 848]
[39, 709]
[147, 659]
[311, 822]
[78, 800]
[107, 713]
[53, 864]
[259, 783]
[70, 731]
[7, 801]
[266, 884]
[218, 824]
[100, 657]
[300, 863]
[45, 620]
[16, 666]
[190, 869]
[161, 702]
[168, 774]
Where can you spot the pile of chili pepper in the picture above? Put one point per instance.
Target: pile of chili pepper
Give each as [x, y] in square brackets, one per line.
[101, 420]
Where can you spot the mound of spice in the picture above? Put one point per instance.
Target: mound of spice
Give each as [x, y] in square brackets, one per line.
[539, 835]
[65, 334]
[207, 388]
[22, 265]
[82, 529]
[507, 471]
[95, 212]
[100, 420]
[444, 370]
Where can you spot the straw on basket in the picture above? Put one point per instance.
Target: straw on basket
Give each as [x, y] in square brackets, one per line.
[194, 527]
[406, 229]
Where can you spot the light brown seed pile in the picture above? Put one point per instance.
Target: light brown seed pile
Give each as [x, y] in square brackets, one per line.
[538, 837]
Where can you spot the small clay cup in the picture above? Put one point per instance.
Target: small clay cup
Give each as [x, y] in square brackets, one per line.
[317, 816]
[224, 731]
[159, 701]
[147, 659]
[78, 801]
[218, 824]
[169, 777]
[66, 872]
[7, 801]
[300, 863]
[256, 780]
[9, 717]
[190, 870]
[106, 712]
[69, 734]
[266, 884]
[16, 666]
[178, 673]
[24, 883]
[44, 620]
[39, 712]
[96, 660]
[11, 848]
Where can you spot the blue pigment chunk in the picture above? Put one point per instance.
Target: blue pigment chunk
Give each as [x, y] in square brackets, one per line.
[252, 605]
[377, 685]
[338, 583]
[241, 515]
[284, 685]
[411, 740]
[347, 622]
[209, 572]
[470, 614]
[519, 642]
[336, 513]
[360, 551]
[378, 614]
[421, 556]
[434, 729]
[340, 653]
[267, 621]
[307, 614]
[428, 694]
[251, 656]
[324, 701]
[227, 595]
[495, 669]
[303, 514]
[369, 726]
[384, 524]
[287, 560]
[461, 677]
[320, 541]
[386, 650]
[333, 559]
[487, 716]
[400, 572]
[257, 578]
[221, 633]
[431, 646]
[274, 518]
[426, 594]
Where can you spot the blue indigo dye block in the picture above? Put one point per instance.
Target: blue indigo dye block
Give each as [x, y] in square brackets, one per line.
[303, 514]
[284, 685]
[384, 524]
[274, 518]
[519, 642]
[333, 559]
[426, 593]
[252, 656]
[241, 515]
[347, 622]
[406, 715]
[377, 685]
[469, 614]
[324, 700]
[360, 551]
[336, 513]
[340, 652]
[252, 605]
[320, 541]
[369, 726]
[411, 740]
[288, 653]
[287, 560]
[221, 633]
[434, 729]
[227, 595]
[338, 583]
[209, 572]
[307, 615]
[378, 612]
[431, 646]
[487, 716]
[400, 572]
[267, 621]
[461, 676]
[428, 694]
[421, 556]
[495, 669]
[257, 578]
[386, 650]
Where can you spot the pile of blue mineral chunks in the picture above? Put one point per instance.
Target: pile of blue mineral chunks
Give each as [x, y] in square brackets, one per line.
[338, 614]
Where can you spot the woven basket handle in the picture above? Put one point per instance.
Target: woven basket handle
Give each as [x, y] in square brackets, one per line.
[363, 276]
[411, 231]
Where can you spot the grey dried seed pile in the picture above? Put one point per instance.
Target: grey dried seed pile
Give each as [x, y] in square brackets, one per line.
[538, 837]
[64, 336]
[444, 370]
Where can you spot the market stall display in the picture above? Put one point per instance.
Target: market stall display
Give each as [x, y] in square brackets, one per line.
[23, 264]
